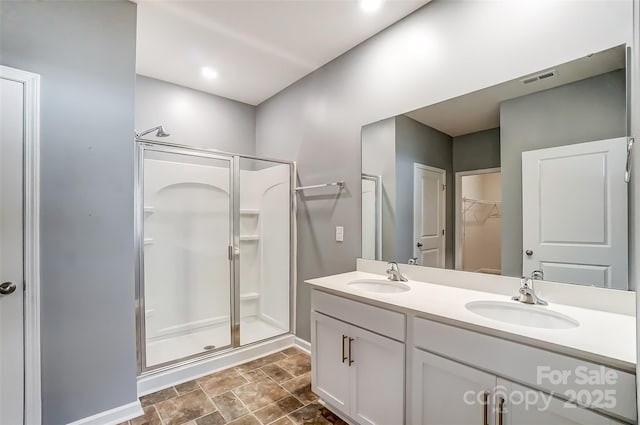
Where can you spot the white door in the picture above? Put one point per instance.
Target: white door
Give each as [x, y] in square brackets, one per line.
[377, 378]
[574, 213]
[545, 409]
[330, 366]
[11, 252]
[449, 393]
[429, 200]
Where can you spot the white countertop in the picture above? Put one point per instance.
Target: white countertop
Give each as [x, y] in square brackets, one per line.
[602, 337]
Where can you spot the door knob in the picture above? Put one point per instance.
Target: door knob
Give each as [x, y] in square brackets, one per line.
[419, 245]
[7, 288]
[529, 252]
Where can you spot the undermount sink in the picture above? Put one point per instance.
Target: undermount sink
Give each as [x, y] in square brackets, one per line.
[379, 285]
[522, 314]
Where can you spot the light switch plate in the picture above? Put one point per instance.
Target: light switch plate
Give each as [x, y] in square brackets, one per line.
[339, 234]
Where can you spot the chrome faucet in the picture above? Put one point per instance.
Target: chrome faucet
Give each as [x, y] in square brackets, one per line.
[537, 275]
[526, 293]
[393, 273]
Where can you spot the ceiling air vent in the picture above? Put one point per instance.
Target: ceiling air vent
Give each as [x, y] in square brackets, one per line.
[542, 76]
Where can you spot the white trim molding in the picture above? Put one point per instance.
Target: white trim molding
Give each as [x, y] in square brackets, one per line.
[303, 344]
[33, 395]
[113, 416]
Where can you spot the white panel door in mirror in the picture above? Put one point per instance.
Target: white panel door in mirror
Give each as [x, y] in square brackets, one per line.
[429, 215]
[575, 213]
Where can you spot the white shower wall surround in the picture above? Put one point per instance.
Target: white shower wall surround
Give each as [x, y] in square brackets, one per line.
[187, 273]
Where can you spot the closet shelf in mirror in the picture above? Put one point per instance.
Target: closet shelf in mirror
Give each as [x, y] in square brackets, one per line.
[249, 211]
[249, 237]
[481, 201]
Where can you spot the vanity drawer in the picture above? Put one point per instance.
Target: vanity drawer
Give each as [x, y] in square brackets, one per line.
[381, 321]
[531, 366]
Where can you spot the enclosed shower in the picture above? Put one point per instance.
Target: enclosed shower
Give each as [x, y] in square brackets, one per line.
[215, 261]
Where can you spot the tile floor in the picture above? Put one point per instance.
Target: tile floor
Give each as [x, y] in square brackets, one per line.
[275, 389]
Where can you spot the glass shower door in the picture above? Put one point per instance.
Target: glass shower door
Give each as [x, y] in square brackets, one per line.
[264, 260]
[186, 291]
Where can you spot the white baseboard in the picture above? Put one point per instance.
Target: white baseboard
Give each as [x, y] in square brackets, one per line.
[113, 416]
[176, 375]
[303, 345]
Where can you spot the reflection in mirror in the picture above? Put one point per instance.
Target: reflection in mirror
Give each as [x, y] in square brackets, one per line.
[524, 176]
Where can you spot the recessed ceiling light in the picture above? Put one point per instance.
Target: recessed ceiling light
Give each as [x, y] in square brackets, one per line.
[370, 5]
[209, 73]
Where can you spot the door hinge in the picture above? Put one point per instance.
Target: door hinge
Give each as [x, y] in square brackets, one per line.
[442, 232]
[230, 252]
[444, 187]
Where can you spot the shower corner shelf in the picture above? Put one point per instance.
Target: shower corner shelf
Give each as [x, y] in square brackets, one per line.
[249, 238]
[249, 211]
[247, 296]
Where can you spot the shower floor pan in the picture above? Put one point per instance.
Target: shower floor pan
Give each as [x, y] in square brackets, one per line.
[252, 329]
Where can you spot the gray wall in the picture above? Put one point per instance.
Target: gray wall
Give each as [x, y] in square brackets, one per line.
[195, 118]
[421, 60]
[416, 142]
[584, 111]
[379, 158]
[85, 53]
[477, 151]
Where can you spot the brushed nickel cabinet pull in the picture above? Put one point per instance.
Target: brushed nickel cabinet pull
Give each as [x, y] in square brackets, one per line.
[350, 361]
[485, 408]
[500, 411]
[343, 356]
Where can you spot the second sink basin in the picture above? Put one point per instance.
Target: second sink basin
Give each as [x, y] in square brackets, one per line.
[379, 285]
[521, 314]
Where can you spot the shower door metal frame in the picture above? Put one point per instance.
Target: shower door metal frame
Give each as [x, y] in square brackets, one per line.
[143, 145]
[377, 180]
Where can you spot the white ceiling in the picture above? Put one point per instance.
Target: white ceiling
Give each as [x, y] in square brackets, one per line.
[257, 47]
[480, 110]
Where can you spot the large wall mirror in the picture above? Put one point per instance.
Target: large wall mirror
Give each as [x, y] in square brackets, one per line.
[522, 176]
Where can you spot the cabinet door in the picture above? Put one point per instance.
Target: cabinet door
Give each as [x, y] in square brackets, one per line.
[526, 406]
[330, 369]
[377, 378]
[448, 393]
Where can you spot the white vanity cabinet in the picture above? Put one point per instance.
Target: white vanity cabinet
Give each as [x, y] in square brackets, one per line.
[354, 370]
[382, 366]
[453, 368]
[549, 410]
[445, 392]
[449, 393]
[331, 380]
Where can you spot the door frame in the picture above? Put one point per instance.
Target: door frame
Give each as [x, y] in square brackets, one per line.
[378, 219]
[459, 243]
[443, 210]
[31, 312]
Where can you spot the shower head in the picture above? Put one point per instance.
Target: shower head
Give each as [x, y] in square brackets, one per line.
[160, 132]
